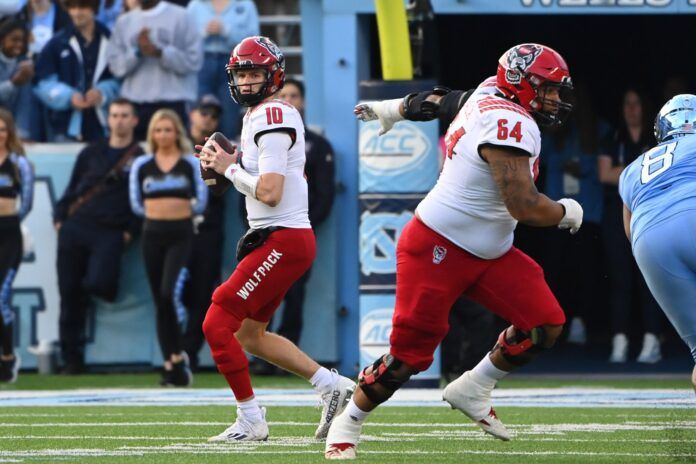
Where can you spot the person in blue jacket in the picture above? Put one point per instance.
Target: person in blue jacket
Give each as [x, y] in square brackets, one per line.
[73, 77]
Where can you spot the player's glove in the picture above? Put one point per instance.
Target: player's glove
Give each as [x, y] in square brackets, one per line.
[573, 215]
[386, 111]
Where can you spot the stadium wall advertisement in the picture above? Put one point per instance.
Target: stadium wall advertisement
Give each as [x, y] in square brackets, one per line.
[123, 332]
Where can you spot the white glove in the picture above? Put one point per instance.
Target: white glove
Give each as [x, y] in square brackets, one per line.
[387, 111]
[573, 215]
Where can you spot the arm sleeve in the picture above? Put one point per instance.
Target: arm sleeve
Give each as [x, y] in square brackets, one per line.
[508, 128]
[49, 89]
[7, 90]
[26, 172]
[273, 152]
[109, 89]
[134, 193]
[321, 177]
[201, 202]
[122, 57]
[190, 58]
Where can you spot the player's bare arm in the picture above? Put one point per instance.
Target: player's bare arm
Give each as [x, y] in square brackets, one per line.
[511, 173]
[627, 221]
[269, 190]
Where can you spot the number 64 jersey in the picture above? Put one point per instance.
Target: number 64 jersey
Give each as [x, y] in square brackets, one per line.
[466, 206]
[660, 184]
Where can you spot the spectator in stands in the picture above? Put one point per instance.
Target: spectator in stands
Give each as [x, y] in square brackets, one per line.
[629, 295]
[44, 18]
[74, 81]
[16, 182]
[157, 51]
[572, 262]
[319, 170]
[15, 71]
[109, 11]
[94, 223]
[167, 190]
[222, 24]
[205, 263]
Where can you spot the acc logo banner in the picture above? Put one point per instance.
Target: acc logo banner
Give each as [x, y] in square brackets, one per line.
[379, 234]
[405, 159]
[375, 328]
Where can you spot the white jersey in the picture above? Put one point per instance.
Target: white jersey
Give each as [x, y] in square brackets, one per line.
[272, 117]
[465, 206]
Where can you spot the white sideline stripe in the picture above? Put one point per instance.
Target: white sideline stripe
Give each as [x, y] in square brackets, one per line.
[141, 451]
[290, 441]
[522, 397]
[522, 428]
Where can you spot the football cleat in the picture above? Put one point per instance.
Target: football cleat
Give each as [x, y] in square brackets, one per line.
[343, 436]
[619, 349]
[474, 400]
[333, 403]
[10, 369]
[244, 430]
[650, 353]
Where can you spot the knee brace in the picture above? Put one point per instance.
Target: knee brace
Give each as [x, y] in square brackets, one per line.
[386, 375]
[523, 346]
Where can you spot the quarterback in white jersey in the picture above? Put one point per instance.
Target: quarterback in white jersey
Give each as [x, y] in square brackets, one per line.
[460, 241]
[277, 250]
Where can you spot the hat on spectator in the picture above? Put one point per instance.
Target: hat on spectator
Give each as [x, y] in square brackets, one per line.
[209, 102]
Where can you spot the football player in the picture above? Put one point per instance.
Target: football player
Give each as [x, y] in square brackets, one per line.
[278, 249]
[460, 240]
[659, 194]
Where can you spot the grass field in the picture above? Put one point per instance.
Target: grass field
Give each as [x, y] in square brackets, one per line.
[177, 434]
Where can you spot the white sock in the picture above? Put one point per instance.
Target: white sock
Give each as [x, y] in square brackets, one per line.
[355, 413]
[486, 373]
[251, 410]
[323, 380]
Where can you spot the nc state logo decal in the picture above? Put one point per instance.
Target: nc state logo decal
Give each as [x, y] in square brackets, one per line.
[519, 59]
[439, 253]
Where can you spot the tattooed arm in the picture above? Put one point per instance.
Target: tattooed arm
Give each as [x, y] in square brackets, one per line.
[510, 170]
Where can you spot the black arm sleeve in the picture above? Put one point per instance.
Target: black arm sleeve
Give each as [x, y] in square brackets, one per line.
[417, 108]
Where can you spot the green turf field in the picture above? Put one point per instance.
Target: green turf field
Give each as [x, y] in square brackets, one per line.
[177, 434]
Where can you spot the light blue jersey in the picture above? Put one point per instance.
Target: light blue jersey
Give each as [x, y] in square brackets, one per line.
[659, 188]
[660, 184]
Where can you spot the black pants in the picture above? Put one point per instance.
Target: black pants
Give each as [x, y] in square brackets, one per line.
[204, 268]
[166, 249]
[146, 110]
[627, 288]
[89, 262]
[10, 257]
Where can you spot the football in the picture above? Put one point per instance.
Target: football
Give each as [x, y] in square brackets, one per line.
[217, 183]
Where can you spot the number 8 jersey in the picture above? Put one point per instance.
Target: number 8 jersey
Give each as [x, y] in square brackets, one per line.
[466, 206]
[270, 117]
[660, 183]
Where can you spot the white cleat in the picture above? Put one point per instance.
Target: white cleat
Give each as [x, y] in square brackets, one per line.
[343, 437]
[619, 349]
[333, 403]
[244, 430]
[650, 353]
[474, 400]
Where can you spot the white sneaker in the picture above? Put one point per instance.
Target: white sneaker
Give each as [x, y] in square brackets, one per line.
[333, 403]
[619, 350]
[651, 353]
[244, 430]
[576, 333]
[343, 437]
[474, 400]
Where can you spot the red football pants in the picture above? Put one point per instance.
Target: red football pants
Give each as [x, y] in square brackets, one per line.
[432, 272]
[254, 290]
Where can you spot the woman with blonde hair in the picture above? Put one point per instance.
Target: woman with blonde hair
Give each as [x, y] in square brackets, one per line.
[16, 181]
[166, 189]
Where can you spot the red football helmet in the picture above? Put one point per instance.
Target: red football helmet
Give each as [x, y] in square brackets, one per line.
[256, 53]
[525, 74]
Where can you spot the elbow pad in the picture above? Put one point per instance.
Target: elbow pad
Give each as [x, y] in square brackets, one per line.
[417, 108]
